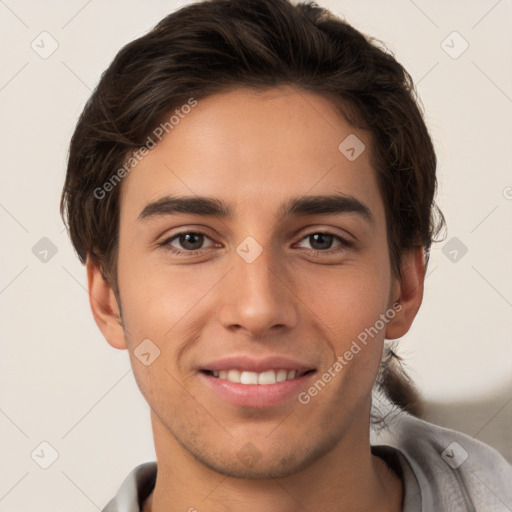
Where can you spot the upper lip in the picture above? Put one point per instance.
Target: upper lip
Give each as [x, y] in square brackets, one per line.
[251, 364]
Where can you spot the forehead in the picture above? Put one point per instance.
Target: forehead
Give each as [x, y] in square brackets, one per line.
[252, 149]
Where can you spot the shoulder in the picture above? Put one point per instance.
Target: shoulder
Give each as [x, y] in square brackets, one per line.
[137, 485]
[452, 468]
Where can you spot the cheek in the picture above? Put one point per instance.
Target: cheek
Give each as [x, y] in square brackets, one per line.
[161, 302]
[348, 299]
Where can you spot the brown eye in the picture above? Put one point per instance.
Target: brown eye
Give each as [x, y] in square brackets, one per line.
[187, 242]
[323, 241]
[191, 241]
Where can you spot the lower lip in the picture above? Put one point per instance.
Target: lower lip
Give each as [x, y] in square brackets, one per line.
[256, 395]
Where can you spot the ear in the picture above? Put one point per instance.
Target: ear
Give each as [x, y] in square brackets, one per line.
[408, 292]
[104, 307]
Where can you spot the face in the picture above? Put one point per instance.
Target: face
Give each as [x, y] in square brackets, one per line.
[268, 281]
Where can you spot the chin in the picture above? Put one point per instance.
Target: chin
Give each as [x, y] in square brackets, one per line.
[263, 469]
[252, 463]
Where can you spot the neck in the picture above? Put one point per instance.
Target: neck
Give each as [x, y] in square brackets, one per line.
[348, 476]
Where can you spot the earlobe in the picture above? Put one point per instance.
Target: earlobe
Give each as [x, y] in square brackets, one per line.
[104, 307]
[410, 293]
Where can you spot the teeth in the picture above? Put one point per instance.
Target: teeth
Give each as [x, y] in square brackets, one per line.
[281, 375]
[233, 376]
[268, 377]
[251, 378]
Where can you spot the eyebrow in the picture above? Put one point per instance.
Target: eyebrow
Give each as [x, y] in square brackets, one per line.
[304, 205]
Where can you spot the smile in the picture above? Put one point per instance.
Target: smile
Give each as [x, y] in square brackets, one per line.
[266, 377]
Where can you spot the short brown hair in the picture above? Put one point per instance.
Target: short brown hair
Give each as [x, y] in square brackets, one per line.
[216, 45]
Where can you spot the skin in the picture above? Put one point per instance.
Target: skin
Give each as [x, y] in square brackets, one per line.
[255, 150]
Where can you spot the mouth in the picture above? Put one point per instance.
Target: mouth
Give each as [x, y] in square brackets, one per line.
[260, 390]
[264, 378]
[243, 380]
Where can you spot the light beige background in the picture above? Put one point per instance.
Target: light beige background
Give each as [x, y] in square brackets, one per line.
[60, 382]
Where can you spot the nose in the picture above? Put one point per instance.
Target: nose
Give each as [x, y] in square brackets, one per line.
[257, 297]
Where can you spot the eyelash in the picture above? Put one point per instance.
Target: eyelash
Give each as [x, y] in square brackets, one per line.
[344, 244]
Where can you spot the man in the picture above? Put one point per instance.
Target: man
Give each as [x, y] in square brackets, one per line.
[251, 187]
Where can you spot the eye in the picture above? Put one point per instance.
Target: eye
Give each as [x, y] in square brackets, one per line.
[324, 240]
[190, 241]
